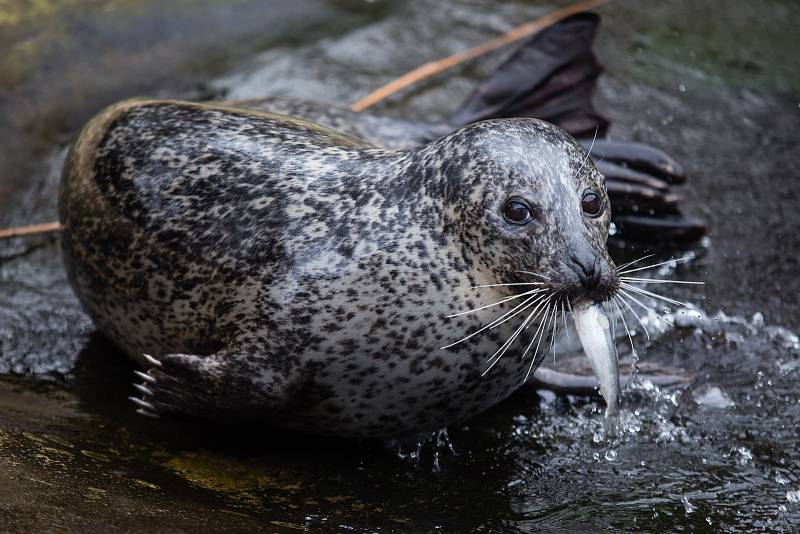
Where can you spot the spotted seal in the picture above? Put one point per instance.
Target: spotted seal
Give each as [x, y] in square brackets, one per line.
[280, 271]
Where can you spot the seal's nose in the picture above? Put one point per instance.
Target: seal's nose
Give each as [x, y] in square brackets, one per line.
[587, 270]
[588, 273]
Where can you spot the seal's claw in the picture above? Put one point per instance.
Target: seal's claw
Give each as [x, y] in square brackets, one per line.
[143, 389]
[188, 386]
[152, 361]
[145, 377]
[142, 403]
[146, 413]
[178, 385]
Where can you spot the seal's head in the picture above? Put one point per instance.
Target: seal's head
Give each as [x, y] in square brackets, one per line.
[531, 201]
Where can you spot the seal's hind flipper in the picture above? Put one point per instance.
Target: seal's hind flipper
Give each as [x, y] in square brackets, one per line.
[638, 180]
[670, 228]
[638, 157]
[215, 387]
[551, 76]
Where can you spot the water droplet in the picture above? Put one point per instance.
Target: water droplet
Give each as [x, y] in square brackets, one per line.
[689, 507]
[743, 455]
[681, 88]
[712, 396]
[793, 496]
[611, 455]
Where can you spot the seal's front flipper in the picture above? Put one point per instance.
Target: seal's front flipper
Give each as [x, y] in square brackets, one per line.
[216, 387]
[588, 385]
[551, 76]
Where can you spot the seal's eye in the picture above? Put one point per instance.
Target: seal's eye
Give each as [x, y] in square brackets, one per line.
[517, 211]
[591, 204]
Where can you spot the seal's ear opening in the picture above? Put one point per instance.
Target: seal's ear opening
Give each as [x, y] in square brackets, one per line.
[551, 76]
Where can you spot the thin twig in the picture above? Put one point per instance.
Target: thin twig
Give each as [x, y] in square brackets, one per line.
[34, 229]
[435, 67]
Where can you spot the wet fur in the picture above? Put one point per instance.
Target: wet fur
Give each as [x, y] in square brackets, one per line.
[282, 271]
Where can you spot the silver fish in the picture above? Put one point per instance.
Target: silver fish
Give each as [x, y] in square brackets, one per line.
[594, 332]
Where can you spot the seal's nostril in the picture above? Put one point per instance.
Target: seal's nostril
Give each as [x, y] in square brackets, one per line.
[587, 272]
[596, 272]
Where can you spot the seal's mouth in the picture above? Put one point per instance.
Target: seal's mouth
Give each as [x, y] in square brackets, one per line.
[543, 307]
[594, 278]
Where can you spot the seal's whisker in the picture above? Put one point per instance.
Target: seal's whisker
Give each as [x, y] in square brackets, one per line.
[564, 318]
[645, 307]
[534, 274]
[615, 316]
[502, 350]
[657, 281]
[519, 295]
[648, 309]
[540, 334]
[519, 308]
[495, 357]
[553, 333]
[625, 324]
[619, 268]
[540, 297]
[641, 291]
[609, 312]
[588, 153]
[637, 318]
[513, 284]
[685, 258]
[546, 311]
[542, 303]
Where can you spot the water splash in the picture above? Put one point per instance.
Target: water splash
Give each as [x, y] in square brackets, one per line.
[425, 452]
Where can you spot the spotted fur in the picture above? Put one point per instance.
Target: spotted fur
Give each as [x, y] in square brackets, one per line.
[380, 130]
[281, 271]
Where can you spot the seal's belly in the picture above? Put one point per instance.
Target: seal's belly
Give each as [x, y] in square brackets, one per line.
[389, 373]
[402, 393]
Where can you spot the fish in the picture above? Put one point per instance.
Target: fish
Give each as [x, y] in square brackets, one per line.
[594, 333]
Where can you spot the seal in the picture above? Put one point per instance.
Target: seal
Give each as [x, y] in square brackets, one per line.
[283, 272]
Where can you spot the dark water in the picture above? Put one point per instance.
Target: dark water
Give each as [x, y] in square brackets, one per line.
[716, 84]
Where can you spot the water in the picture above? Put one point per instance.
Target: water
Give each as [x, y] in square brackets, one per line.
[713, 84]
